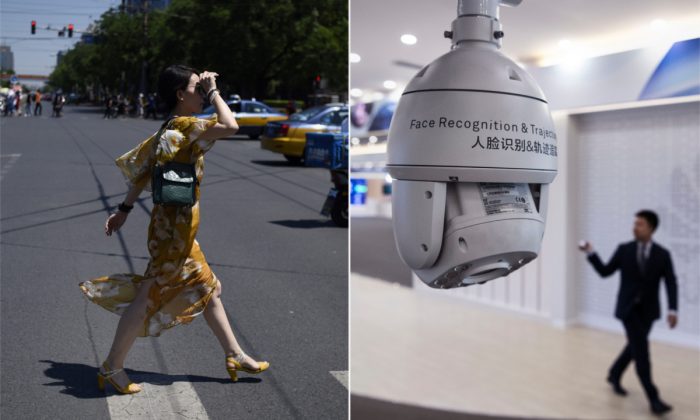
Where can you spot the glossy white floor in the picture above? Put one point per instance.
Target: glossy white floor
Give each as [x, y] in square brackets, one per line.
[443, 353]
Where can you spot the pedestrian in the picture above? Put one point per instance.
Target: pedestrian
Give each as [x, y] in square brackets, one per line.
[291, 109]
[108, 107]
[178, 284]
[58, 101]
[10, 103]
[642, 263]
[37, 103]
[115, 106]
[28, 105]
[151, 106]
[120, 105]
[21, 100]
[18, 102]
[141, 105]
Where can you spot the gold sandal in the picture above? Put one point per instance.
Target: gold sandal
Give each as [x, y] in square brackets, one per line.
[238, 365]
[131, 388]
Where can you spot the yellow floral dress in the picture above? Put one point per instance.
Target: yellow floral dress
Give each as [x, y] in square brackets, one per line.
[184, 283]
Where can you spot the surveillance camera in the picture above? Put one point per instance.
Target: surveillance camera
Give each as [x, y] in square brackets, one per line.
[472, 151]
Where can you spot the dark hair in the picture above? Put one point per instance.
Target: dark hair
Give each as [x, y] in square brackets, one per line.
[171, 79]
[651, 218]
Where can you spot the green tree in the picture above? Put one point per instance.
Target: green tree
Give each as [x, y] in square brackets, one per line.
[262, 48]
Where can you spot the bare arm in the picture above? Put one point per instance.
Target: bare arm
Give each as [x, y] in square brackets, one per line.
[226, 125]
[116, 220]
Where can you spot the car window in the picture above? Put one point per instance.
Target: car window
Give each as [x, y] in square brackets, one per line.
[335, 117]
[255, 108]
[307, 113]
[235, 106]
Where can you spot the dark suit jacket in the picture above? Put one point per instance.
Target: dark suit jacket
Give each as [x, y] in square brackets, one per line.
[638, 288]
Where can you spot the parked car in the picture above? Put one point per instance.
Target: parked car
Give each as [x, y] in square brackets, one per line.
[289, 137]
[251, 116]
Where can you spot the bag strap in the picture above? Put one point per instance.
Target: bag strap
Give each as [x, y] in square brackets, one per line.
[160, 132]
[162, 127]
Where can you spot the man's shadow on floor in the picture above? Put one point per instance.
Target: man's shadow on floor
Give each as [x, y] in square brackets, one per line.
[80, 380]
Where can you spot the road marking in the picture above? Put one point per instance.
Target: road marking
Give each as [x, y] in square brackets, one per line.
[341, 376]
[156, 401]
[7, 162]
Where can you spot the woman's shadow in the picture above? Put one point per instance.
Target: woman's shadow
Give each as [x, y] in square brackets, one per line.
[80, 380]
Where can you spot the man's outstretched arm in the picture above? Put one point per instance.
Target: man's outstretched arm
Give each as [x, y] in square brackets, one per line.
[605, 270]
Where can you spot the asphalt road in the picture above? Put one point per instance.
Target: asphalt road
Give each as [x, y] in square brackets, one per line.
[283, 267]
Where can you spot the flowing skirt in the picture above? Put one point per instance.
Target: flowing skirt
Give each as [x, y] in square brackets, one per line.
[184, 282]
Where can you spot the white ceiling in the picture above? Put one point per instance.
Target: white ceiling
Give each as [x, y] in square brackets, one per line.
[532, 31]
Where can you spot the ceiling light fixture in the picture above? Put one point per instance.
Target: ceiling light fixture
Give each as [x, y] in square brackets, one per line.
[409, 39]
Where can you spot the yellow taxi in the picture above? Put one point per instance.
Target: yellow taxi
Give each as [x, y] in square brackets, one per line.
[251, 116]
[289, 137]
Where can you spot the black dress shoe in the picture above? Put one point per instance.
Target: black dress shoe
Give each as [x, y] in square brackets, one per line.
[660, 407]
[617, 388]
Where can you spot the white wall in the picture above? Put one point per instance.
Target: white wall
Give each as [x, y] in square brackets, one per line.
[613, 161]
[633, 159]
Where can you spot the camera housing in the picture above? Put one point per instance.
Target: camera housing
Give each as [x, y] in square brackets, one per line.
[472, 151]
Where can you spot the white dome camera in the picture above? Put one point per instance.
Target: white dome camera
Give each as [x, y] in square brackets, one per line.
[472, 151]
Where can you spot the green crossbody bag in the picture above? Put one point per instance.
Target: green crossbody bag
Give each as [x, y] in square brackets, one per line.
[174, 183]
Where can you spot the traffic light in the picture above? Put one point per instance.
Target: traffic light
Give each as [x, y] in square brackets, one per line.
[317, 81]
[33, 27]
[70, 30]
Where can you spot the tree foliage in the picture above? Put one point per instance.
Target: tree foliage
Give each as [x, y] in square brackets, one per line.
[262, 48]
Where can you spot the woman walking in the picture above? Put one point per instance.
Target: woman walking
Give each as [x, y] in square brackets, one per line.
[178, 284]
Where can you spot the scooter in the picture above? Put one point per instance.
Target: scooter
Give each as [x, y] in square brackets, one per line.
[336, 204]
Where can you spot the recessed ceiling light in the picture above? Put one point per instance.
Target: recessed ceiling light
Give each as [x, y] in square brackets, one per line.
[389, 84]
[373, 139]
[355, 58]
[355, 140]
[657, 24]
[356, 93]
[409, 39]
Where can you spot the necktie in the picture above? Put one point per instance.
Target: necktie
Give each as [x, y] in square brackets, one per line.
[641, 258]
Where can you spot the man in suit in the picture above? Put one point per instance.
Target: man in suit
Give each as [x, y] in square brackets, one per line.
[642, 264]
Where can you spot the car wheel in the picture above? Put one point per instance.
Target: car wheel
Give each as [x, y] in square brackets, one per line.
[293, 159]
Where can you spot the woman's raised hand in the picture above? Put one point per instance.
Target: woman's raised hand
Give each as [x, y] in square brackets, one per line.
[114, 222]
[207, 80]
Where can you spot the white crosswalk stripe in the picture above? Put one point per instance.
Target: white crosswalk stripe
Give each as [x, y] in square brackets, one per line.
[156, 401]
[341, 376]
[7, 162]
